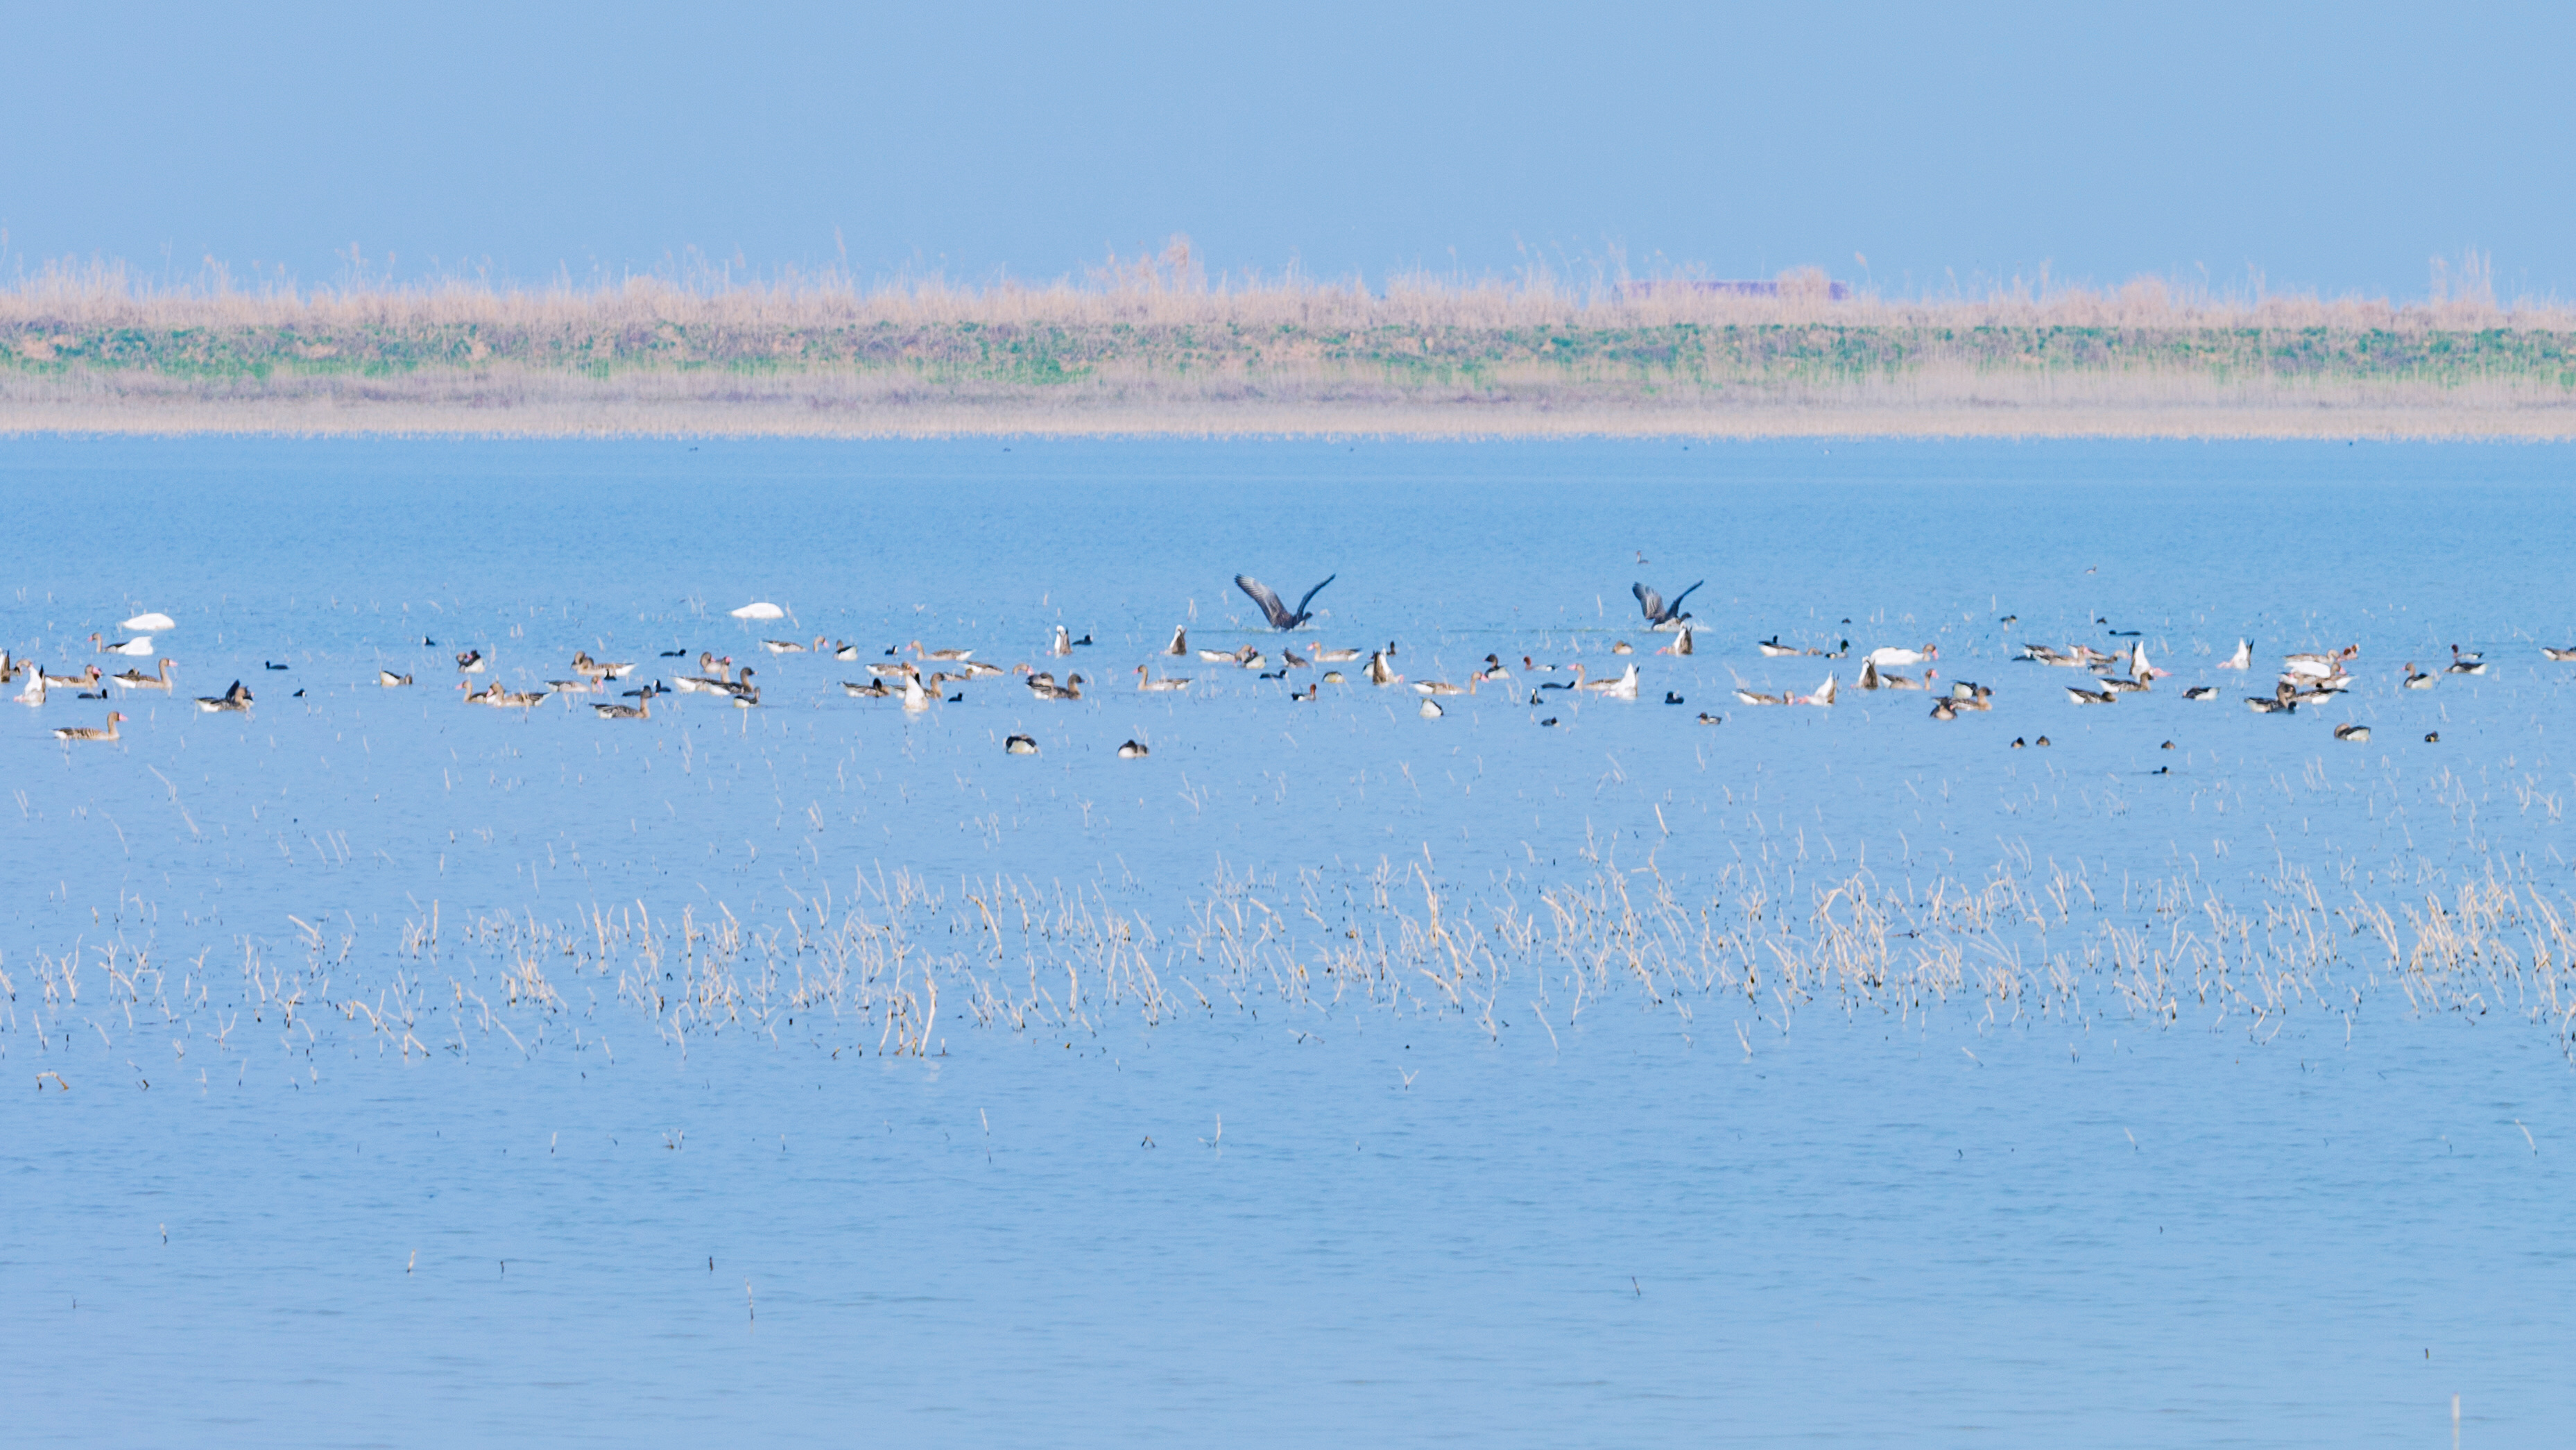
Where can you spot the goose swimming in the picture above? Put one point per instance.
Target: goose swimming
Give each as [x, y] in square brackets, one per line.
[788, 646]
[1774, 649]
[1279, 615]
[1327, 656]
[137, 680]
[1145, 680]
[235, 699]
[1681, 644]
[1624, 687]
[2555, 653]
[714, 677]
[90, 732]
[1886, 655]
[471, 662]
[2418, 680]
[2357, 734]
[610, 710]
[2201, 692]
[1020, 744]
[1134, 750]
[872, 690]
[1660, 615]
[88, 676]
[1824, 696]
[941, 654]
[1180, 645]
[1756, 697]
[2089, 697]
[2319, 666]
[2243, 659]
[760, 610]
[1378, 673]
[1063, 644]
[150, 623]
[2466, 665]
[1431, 710]
[139, 645]
[2281, 703]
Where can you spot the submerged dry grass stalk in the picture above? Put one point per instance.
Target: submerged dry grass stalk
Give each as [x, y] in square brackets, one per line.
[900, 966]
[1154, 349]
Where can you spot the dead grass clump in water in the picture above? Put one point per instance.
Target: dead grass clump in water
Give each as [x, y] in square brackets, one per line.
[2022, 947]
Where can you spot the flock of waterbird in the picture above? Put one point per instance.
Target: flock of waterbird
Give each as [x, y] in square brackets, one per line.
[2304, 678]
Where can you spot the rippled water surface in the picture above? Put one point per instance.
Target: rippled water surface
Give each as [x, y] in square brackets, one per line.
[393, 1070]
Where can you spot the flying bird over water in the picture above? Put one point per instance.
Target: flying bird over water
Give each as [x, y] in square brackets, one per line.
[1281, 617]
[1657, 615]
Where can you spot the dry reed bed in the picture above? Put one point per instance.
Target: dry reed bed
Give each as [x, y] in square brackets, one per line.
[1153, 349]
[900, 966]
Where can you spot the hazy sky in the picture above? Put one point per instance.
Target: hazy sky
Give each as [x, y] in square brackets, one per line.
[2333, 146]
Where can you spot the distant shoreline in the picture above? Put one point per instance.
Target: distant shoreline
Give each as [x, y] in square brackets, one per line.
[574, 417]
[1285, 362]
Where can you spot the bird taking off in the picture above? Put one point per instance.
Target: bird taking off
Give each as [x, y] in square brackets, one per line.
[1657, 616]
[1281, 617]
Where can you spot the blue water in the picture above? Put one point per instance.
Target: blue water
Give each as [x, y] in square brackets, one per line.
[1844, 1214]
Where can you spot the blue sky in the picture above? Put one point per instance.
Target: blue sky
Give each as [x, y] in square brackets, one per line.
[2332, 147]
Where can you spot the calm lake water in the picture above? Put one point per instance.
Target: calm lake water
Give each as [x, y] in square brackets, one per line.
[389, 1070]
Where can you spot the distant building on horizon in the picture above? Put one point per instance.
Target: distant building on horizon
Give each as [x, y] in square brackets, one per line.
[1669, 286]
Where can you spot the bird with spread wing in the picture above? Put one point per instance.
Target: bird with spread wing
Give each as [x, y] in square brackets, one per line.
[1657, 615]
[1281, 616]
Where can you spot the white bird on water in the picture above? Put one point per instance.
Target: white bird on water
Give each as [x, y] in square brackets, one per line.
[1887, 656]
[149, 623]
[760, 610]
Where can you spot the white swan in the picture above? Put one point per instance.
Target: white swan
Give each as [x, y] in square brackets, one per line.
[150, 623]
[760, 610]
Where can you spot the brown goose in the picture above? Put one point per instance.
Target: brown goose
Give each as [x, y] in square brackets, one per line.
[90, 732]
[137, 680]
